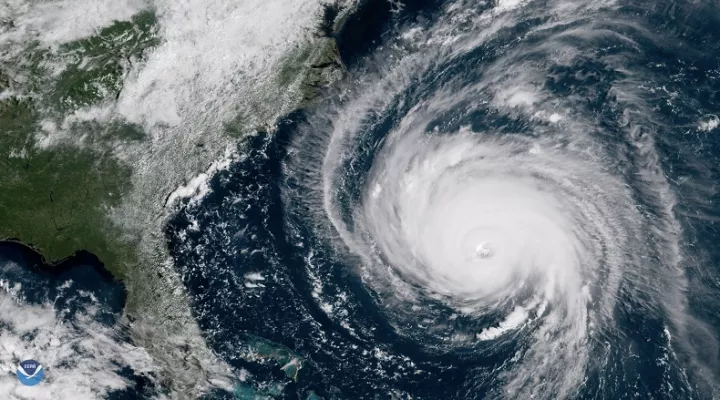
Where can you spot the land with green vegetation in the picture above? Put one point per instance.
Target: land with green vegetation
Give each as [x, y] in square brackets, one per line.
[97, 65]
[307, 69]
[56, 198]
[314, 66]
[62, 176]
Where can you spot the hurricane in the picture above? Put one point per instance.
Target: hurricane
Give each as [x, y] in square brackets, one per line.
[506, 199]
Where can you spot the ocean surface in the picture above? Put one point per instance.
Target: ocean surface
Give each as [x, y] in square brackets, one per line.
[510, 199]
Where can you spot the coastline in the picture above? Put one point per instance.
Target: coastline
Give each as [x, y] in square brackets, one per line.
[156, 308]
[40, 263]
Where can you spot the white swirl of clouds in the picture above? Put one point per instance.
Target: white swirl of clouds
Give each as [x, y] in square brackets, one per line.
[540, 228]
[514, 225]
[479, 218]
[542, 242]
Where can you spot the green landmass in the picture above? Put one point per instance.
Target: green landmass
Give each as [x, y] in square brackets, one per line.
[322, 68]
[97, 65]
[310, 67]
[317, 64]
[56, 198]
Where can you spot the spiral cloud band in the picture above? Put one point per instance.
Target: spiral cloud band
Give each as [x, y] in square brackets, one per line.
[481, 219]
[486, 224]
[526, 235]
[488, 214]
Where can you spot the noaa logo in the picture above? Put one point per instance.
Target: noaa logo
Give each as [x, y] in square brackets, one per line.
[30, 372]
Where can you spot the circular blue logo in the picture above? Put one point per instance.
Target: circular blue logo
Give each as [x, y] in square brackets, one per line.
[30, 372]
